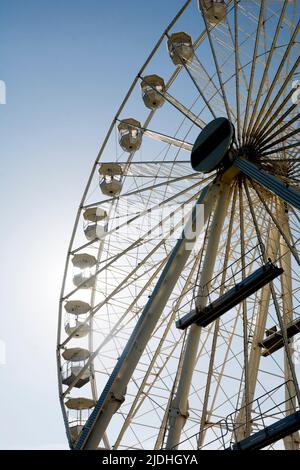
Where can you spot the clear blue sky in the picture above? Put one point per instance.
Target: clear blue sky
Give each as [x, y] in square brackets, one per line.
[67, 65]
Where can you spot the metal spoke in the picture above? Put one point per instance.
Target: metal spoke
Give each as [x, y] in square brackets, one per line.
[168, 182]
[267, 66]
[192, 78]
[280, 130]
[176, 104]
[271, 117]
[276, 77]
[216, 62]
[252, 73]
[127, 278]
[276, 124]
[237, 72]
[282, 139]
[245, 319]
[168, 140]
[281, 149]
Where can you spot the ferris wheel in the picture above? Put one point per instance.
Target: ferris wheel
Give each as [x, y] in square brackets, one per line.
[180, 305]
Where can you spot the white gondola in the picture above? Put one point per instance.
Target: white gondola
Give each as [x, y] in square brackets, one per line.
[80, 403]
[111, 175]
[215, 10]
[82, 407]
[83, 273]
[111, 188]
[76, 354]
[79, 329]
[84, 260]
[83, 281]
[94, 231]
[130, 135]
[94, 214]
[153, 87]
[77, 307]
[71, 372]
[110, 169]
[180, 47]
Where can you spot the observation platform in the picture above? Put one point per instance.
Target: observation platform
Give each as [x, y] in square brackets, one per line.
[248, 286]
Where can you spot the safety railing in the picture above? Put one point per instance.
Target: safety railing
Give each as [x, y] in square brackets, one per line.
[265, 410]
[223, 280]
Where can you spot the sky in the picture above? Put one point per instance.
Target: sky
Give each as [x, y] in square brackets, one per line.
[67, 65]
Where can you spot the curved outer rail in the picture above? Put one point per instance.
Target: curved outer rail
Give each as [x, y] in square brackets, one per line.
[135, 81]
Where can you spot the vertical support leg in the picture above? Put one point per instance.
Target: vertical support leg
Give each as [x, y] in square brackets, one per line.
[291, 442]
[259, 332]
[179, 408]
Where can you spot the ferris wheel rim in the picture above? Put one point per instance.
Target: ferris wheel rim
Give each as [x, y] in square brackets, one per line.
[94, 169]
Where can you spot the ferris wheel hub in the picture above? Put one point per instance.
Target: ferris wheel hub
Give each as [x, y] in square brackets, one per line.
[212, 147]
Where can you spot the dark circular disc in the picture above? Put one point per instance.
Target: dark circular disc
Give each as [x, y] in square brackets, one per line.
[212, 145]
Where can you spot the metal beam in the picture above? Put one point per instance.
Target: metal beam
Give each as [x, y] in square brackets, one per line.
[141, 394]
[217, 325]
[258, 335]
[115, 390]
[270, 434]
[179, 408]
[237, 294]
[168, 140]
[273, 184]
[292, 441]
